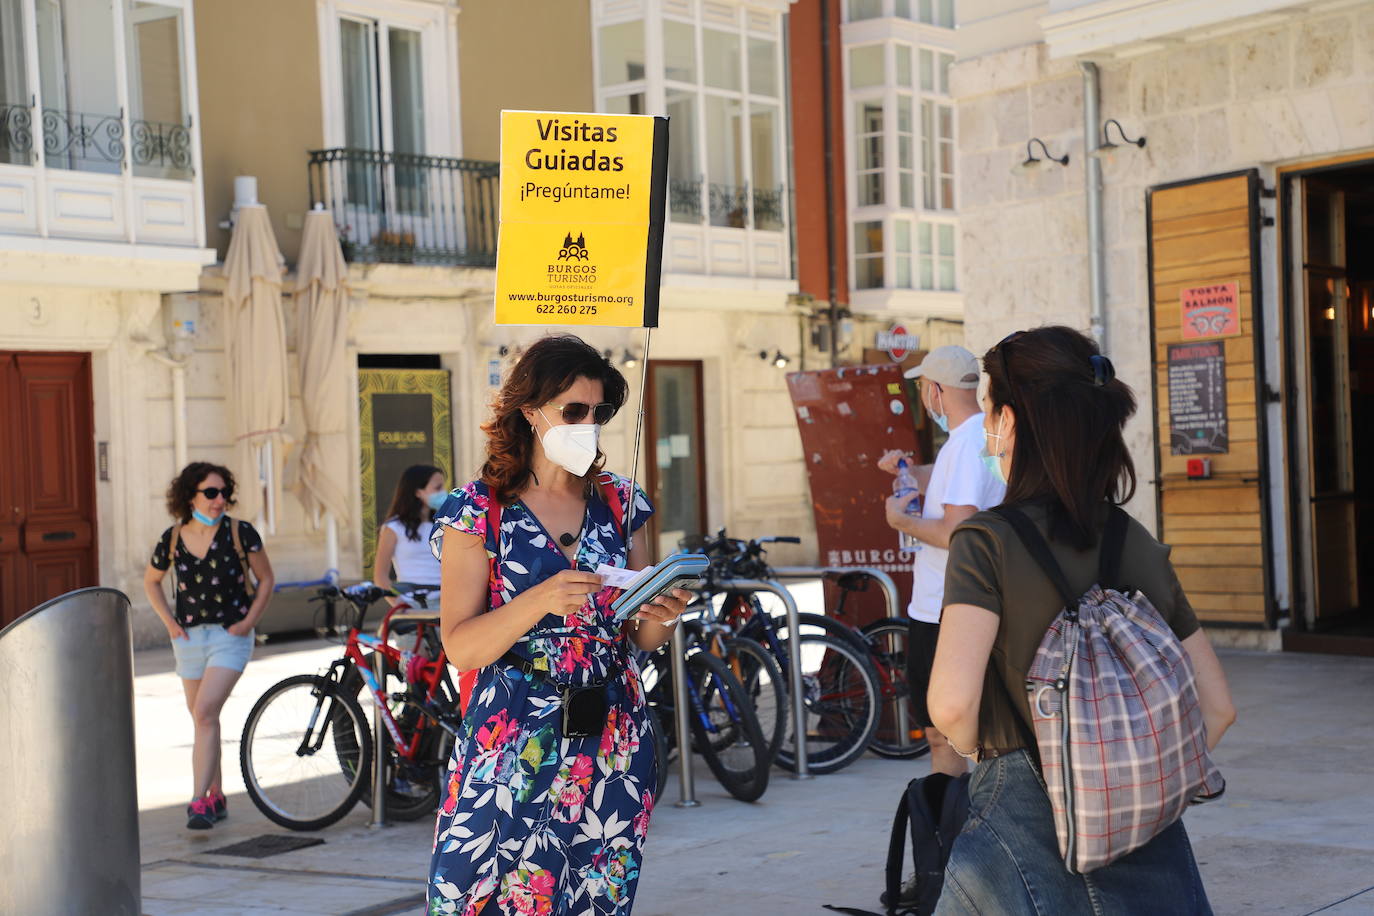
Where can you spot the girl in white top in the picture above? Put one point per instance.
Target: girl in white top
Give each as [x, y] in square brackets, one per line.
[403, 541]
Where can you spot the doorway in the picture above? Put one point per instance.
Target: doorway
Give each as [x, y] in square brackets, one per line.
[47, 481]
[1331, 280]
[676, 453]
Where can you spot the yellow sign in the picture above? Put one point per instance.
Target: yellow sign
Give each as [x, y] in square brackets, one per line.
[582, 204]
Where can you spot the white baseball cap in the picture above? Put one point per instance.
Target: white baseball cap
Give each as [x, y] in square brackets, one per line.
[951, 366]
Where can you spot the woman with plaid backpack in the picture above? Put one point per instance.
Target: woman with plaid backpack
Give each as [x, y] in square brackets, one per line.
[1059, 565]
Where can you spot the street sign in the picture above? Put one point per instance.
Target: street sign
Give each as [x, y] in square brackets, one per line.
[582, 206]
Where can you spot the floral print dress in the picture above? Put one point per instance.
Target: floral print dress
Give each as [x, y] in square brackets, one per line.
[533, 823]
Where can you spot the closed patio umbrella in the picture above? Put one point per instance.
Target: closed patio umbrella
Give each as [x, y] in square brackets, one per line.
[255, 341]
[322, 481]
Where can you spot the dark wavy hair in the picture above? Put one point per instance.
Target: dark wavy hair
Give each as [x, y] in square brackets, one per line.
[184, 487]
[1070, 410]
[405, 505]
[544, 371]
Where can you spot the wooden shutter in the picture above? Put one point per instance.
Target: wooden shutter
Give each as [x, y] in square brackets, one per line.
[1206, 233]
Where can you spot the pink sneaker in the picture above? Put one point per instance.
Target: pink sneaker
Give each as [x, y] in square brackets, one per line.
[219, 805]
[200, 815]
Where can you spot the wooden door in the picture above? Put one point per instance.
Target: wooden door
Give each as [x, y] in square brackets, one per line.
[675, 452]
[1204, 244]
[47, 479]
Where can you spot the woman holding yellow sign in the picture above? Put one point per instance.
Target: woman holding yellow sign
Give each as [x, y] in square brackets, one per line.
[551, 783]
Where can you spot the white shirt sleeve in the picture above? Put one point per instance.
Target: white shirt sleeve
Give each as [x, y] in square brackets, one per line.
[968, 482]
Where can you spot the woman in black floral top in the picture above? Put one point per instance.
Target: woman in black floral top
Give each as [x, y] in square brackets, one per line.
[223, 581]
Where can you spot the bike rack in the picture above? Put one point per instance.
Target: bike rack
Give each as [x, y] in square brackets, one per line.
[378, 726]
[889, 594]
[67, 714]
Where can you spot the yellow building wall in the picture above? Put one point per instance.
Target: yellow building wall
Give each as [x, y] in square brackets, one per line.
[503, 63]
[258, 64]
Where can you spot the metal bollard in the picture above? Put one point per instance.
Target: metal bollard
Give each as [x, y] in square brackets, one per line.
[67, 717]
[686, 784]
[378, 747]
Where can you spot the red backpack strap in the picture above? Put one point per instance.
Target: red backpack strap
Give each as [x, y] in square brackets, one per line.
[611, 493]
[494, 529]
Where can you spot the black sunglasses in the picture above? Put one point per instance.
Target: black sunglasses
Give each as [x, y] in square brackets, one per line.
[576, 412]
[214, 492]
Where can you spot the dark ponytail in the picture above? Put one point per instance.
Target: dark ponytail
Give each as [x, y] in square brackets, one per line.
[1070, 411]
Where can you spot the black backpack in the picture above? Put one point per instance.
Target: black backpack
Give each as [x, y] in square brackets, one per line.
[933, 808]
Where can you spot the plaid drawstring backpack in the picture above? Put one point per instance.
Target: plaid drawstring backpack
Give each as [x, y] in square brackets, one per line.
[1123, 746]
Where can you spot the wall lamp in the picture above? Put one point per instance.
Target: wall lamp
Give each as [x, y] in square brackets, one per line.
[629, 360]
[779, 359]
[1107, 149]
[1034, 162]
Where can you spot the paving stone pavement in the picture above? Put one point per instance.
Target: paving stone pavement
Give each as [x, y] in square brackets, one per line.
[1293, 835]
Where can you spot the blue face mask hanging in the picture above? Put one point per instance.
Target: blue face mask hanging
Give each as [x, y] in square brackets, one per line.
[994, 462]
[941, 419]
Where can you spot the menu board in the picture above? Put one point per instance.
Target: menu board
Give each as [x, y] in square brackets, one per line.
[1197, 399]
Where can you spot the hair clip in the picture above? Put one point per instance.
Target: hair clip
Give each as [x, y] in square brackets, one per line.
[1103, 370]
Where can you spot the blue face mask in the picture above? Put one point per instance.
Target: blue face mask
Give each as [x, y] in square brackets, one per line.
[941, 419]
[991, 461]
[436, 499]
[204, 519]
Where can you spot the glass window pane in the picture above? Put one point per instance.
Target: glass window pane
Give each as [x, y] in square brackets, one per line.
[76, 64]
[903, 272]
[946, 14]
[902, 9]
[927, 273]
[947, 274]
[684, 174]
[946, 122]
[901, 232]
[16, 121]
[407, 92]
[865, 9]
[946, 235]
[868, 237]
[903, 65]
[947, 193]
[927, 70]
[766, 183]
[679, 51]
[725, 168]
[720, 58]
[945, 61]
[927, 11]
[763, 66]
[159, 119]
[359, 79]
[866, 66]
[923, 238]
[622, 53]
[628, 104]
[904, 114]
[908, 189]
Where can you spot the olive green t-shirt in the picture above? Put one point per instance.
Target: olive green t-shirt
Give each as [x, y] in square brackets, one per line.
[990, 568]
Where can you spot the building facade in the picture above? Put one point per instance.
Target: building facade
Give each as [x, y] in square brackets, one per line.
[386, 112]
[1234, 269]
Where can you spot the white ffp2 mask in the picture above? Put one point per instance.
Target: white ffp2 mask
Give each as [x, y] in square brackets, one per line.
[572, 446]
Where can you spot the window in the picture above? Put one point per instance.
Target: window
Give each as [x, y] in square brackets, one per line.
[679, 51]
[684, 171]
[764, 127]
[901, 233]
[937, 155]
[721, 59]
[906, 176]
[868, 154]
[865, 9]
[937, 12]
[16, 119]
[935, 255]
[763, 66]
[725, 161]
[622, 53]
[82, 127]
[868, 254]
[159, 113]
[866, 66]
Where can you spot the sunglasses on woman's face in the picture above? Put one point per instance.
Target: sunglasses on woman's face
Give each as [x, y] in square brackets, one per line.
[214, 492]
[576, 412]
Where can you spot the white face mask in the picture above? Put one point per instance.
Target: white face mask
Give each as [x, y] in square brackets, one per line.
[572, 446]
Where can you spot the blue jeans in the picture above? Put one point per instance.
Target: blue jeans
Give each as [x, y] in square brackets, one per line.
[1006, 860]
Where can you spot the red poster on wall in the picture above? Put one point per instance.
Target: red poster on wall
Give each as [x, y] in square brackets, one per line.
[848, 417]
[1211, 311]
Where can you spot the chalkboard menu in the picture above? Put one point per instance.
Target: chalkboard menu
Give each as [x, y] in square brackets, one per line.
[1197, 399]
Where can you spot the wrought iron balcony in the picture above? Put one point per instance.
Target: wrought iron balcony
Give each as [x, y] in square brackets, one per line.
[727, 205]
[406, 208]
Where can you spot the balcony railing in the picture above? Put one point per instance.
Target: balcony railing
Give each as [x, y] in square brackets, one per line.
[406, 208]
[727, 205]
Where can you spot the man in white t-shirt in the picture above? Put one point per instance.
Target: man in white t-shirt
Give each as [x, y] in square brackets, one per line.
[959, 486]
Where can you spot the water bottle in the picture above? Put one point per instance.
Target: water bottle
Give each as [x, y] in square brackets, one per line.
[905, 485]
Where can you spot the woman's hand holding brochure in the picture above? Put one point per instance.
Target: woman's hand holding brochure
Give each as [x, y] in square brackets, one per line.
[655, 594]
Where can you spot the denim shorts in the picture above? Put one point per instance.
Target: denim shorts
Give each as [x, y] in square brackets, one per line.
[1006, 860]
[210, 646]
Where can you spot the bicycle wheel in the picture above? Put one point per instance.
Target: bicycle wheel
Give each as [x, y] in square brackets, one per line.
[841, 704]
[305, 753]
[821, 625]
[725, 730]
[662, 755]
[899, 735]
[761, 676]
[413, 786]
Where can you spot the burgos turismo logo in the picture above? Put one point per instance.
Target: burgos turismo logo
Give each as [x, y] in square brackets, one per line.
[572, 267]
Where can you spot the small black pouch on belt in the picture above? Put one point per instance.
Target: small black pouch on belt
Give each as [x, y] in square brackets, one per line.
[584, 708]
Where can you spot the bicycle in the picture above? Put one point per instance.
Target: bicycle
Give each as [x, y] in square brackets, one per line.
[839, 680]
[307, 747]
[725, 730]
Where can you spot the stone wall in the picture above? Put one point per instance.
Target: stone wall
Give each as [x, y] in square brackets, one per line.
[1257, 98]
